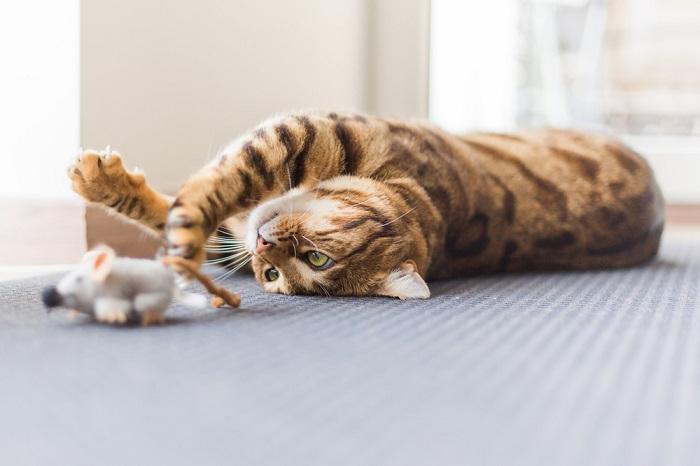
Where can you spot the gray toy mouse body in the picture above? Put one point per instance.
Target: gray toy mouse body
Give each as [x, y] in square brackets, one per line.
[118, 290]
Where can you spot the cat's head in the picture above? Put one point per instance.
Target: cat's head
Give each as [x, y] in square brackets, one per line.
[346, 236]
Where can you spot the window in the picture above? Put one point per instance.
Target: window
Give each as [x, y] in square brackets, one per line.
[40, 96]
[628, 67]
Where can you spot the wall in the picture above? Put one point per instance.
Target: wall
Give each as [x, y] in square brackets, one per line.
[398, 55]
[168, 83]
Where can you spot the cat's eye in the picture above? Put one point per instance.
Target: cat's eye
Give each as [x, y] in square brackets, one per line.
[271, 274]
[318, 259]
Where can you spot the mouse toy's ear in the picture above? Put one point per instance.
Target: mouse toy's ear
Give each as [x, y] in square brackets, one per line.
[100, 261]
[404, 283]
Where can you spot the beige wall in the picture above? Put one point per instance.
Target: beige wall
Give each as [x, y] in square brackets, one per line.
[168, 83]
[398, 57]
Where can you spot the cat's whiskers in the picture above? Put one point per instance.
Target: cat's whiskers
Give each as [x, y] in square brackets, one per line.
[402, 215]
[364, 203]
[226, 232]
[289, 176]
[312, 243]
[233, 254]
[225, 245]
[293, 236]
[324, 290]
[290, 205]
[223, 250]
[229, 258]
[235, 269]
[224, 241]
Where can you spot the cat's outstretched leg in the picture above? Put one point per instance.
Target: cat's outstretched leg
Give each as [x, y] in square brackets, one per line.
[100, 177]
[281, 155]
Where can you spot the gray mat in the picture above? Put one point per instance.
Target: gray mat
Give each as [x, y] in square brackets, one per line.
[544, 369]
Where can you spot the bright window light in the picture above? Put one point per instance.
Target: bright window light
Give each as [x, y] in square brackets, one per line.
[39, 95]
[625, 67]
[473, 64]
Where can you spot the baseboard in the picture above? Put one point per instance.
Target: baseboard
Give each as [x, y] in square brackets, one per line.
[685, 214]
[41, 231]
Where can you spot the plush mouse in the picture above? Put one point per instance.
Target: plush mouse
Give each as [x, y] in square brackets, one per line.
[117, 290]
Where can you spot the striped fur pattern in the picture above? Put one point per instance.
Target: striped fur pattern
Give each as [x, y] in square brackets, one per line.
[391, 204]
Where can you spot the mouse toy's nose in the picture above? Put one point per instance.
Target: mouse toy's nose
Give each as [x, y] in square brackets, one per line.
[262, 245]
[51, 297]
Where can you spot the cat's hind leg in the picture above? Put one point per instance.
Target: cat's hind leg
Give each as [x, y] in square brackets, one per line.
[100, 177]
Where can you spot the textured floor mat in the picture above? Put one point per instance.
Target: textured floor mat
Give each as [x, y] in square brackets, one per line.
[595, 367]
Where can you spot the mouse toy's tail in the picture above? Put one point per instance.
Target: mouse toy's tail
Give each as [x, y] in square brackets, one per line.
[220, 296]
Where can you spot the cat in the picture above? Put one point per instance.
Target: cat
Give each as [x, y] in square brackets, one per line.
[348, 204]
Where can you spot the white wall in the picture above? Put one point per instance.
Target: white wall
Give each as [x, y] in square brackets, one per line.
[168, 83]
[399, 57]
[39, 96]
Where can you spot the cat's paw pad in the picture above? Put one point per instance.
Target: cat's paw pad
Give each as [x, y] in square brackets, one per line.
[184, 235]
[111, 316]
[100, 176]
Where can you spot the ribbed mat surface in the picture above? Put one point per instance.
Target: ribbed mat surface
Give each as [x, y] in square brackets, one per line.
[599, 368]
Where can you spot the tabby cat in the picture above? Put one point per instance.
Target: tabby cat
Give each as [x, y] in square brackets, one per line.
[346, 204]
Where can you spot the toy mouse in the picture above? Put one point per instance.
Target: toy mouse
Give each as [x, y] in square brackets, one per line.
[117, 290]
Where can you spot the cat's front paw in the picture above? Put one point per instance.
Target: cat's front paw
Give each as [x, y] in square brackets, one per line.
[101, 177]
[185, 236]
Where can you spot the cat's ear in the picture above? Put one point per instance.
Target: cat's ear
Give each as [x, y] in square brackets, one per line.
[100, 261]
[404, 283]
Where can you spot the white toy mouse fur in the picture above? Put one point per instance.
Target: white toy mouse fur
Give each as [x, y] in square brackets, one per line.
[117, 290]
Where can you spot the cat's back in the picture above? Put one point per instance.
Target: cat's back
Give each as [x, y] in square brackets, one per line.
[561, 198]
[576, 169]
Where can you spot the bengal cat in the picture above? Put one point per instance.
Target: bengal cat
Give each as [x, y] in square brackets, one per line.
[359, 205]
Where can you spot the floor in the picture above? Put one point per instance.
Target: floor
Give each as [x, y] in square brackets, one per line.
[585, 368]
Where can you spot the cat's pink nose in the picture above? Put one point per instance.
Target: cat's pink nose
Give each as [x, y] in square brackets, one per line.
[262, 245]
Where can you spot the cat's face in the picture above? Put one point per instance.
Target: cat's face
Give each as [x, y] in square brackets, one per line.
[339, 238]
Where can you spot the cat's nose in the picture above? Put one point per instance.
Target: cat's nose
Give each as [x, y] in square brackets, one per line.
[262, 245]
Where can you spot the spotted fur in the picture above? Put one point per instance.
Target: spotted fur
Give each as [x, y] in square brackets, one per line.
[392, 203]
